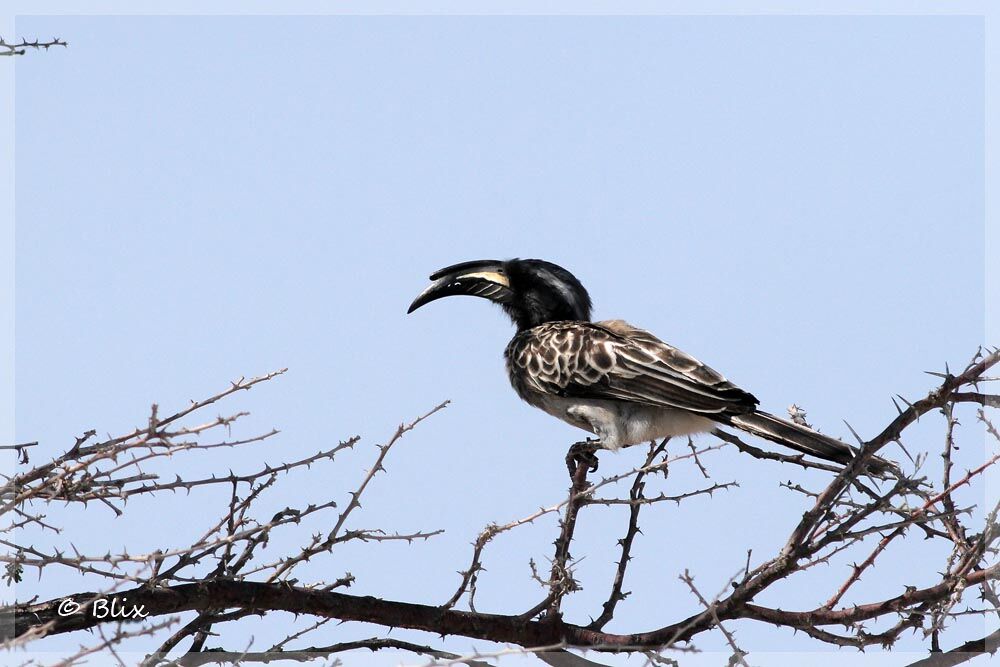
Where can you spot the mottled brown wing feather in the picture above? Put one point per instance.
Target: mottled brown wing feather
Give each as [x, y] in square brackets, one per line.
[614, 360]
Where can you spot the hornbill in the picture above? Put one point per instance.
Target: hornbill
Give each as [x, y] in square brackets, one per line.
[610, 378]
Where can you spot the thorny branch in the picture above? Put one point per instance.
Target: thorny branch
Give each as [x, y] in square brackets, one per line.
[221, 579]
[20, 48]
[635, 499]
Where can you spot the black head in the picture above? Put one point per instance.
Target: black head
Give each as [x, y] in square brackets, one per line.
[531, 291]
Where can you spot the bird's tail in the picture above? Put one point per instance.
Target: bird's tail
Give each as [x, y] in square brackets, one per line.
[803, 439]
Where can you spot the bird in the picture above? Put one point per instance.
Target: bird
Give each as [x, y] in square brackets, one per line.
[615, 380]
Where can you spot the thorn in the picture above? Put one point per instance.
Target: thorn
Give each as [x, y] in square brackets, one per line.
[854, 433]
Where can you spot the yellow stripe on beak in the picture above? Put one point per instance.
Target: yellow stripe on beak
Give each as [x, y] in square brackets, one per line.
[492, 276]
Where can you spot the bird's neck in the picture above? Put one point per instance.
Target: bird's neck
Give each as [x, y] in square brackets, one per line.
[529, 318]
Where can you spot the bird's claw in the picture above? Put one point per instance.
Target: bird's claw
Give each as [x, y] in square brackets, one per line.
[583, 453]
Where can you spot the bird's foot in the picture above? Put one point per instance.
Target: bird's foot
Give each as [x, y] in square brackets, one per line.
[583, 453]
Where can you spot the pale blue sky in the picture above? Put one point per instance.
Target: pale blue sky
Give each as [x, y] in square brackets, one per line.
[798, 201]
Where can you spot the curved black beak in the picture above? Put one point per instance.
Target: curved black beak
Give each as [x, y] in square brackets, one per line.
[484, 278]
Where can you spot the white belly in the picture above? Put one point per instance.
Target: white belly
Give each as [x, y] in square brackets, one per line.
[620, 424]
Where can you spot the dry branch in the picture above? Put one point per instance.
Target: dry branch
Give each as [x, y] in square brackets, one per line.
[222, 578]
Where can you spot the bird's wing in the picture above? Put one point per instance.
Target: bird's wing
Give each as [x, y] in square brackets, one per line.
[614, 360]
